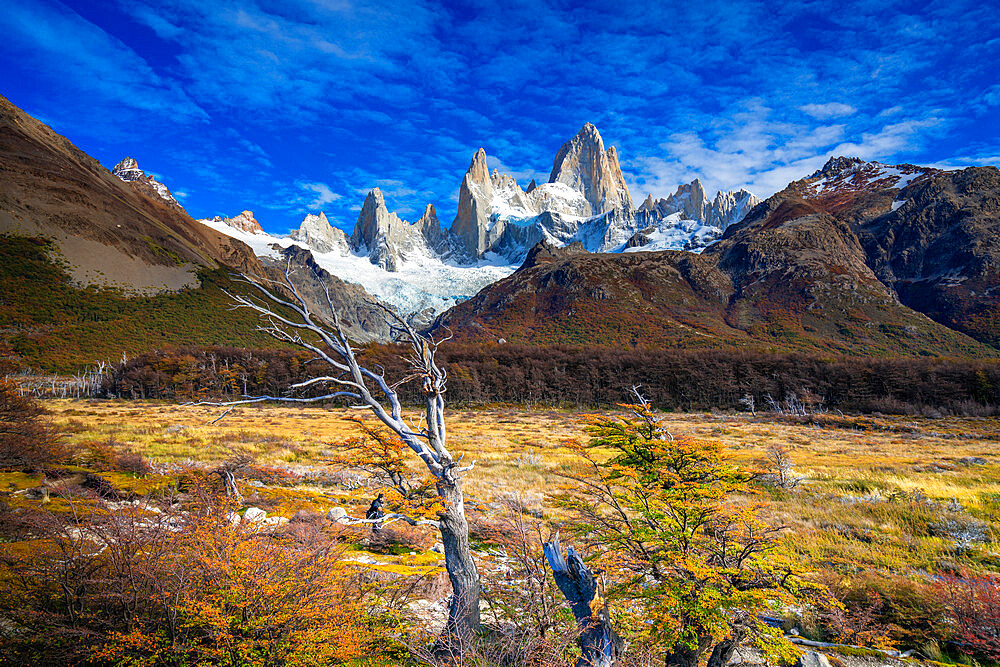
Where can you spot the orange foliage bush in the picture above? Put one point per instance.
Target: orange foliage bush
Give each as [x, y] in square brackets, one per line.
[142, 586]
[26, 441]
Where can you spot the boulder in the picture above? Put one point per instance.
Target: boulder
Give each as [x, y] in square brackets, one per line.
[254, 514]
[337, 515]
[813, 659]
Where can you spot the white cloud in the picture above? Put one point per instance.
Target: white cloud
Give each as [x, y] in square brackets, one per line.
[828, 110]
[753, 148]
[323, 195]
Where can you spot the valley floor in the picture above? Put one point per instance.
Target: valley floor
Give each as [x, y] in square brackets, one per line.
[876, 503]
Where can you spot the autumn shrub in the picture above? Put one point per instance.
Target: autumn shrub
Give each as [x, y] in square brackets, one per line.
[133, 462]
[145, 585]
[26, 440]
[973, 611]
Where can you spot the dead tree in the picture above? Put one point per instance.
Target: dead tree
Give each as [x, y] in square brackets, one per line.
[290, 320]
[599, 642]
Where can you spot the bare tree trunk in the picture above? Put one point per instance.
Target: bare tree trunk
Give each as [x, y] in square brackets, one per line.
[427, 438]
[723, 651]
[599, 642]
[463, 617]
[682, 656]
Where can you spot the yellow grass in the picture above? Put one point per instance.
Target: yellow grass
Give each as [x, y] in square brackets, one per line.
[855, 505]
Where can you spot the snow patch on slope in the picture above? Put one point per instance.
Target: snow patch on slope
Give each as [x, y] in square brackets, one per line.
[422, 281]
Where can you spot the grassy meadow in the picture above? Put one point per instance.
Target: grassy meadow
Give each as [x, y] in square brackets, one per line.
[874, 507]
[867, 497]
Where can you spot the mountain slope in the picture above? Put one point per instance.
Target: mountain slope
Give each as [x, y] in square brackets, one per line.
[96, 264]
[932, 236]
[803, 271]
[108, 232]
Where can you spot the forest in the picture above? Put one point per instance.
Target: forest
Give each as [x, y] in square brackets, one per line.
[597, 377]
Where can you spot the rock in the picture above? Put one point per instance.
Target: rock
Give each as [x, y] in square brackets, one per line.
[317, 232]
[972, 461]
[234, 518]
[337, 515]
[813, 659]
[128, 171]
[387, 238]
[475, 197]
[254, 515]
[275, 521]
[245, 222]
[438, 548]
[583, 164]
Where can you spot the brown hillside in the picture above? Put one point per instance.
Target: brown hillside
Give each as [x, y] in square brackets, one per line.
[108, 232]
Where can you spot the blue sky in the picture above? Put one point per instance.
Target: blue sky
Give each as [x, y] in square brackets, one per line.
[293, 106]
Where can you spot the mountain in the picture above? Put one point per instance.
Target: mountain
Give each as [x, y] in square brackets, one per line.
[932, 236]
[585, 200]
[422, 269]
[107, 231]
[95, 264]
[859, 257]
[128, 170]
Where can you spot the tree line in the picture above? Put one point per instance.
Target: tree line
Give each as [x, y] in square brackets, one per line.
[595, 377]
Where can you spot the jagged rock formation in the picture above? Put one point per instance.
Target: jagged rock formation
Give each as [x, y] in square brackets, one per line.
[585, 200]
[128, 170]
[317, 233]
[387, 239]
[245, 222]
[472, 224]
[584, 165]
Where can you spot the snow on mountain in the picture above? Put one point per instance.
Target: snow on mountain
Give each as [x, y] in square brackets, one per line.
[843, 174]
[419, 267]
[128, 170]
[422, 281]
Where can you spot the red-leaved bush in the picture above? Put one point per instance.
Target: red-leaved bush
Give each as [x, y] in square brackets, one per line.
[974, 609]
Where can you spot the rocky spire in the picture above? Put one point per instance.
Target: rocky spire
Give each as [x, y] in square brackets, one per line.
[730, 207]
[317, 233]
[128, 171]
[472, 221]
[430, 229]
[583, 164]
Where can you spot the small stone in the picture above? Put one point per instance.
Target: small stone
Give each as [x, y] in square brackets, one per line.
[438, 548]
[234, 518]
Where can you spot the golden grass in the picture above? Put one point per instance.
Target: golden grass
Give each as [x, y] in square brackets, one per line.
[857, 506]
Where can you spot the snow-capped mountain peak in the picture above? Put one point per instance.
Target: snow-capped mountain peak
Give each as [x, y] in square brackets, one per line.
[128, 170]
[419, 266]
[244, 222]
